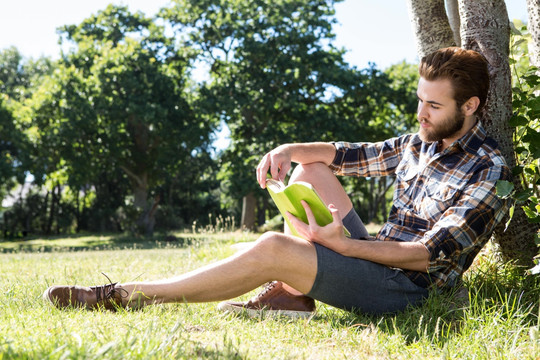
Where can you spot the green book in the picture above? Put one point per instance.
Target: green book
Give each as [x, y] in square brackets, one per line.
[288, 199]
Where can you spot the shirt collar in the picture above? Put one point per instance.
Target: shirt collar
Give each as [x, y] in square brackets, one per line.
[472, 140]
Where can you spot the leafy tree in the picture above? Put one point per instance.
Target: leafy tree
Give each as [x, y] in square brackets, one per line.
[275, 77]
[18, 78]
[10, 145]
[12, 76]
[18, 75]
[115, 112]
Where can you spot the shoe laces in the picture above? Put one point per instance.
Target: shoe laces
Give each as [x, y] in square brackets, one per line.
[268, 287]
[108, 291]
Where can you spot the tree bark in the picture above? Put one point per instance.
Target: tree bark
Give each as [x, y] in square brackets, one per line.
[533, 9]
[147, 220]
[452, 7]
[140, 187]
[430, 25]
[485, 28]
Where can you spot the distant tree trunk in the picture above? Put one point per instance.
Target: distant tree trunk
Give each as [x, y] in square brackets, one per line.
[261, 211]
[430, 25]
[52, 211]
[139, 183]
[249, 205]
[384, 185]
[147, 221]
[43, 218]
[484, 27]
[533, 9]
[372, 206]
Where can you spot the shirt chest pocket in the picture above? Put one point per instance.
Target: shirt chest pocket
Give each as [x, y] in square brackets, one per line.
[404, 190]
[436, 199]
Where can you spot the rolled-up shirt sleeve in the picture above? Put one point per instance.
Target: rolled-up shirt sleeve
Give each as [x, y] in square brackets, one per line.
[368, 159]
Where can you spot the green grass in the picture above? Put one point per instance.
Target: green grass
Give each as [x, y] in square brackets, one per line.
[501, 321]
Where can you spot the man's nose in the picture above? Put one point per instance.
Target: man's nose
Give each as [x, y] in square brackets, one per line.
[421, 112]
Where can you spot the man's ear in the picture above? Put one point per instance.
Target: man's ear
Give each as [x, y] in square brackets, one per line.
[470, 106]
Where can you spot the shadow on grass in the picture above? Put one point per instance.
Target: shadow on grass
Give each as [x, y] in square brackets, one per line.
[90, 242]
[497, 296]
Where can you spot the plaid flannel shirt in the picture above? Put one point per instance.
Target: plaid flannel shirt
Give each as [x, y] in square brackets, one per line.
[445, 200]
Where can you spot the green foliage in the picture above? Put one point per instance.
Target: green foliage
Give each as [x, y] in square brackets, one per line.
[12, 143]
[115, 115]
[275, 77]
[119, 123]
[526, 122]
[12, 77]
[272, 79]
[18, 76]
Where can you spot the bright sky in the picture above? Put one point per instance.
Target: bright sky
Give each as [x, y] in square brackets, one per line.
[375, 31]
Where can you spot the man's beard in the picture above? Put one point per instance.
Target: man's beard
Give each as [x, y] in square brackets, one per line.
[447, 129]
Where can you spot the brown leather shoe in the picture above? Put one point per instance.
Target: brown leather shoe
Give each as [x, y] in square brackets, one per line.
[274, 299]
[94, 297]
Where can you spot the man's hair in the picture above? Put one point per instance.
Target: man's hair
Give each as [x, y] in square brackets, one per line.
[467, 71]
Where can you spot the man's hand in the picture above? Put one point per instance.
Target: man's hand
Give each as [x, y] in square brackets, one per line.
[330, 236]
[404, 255]
[278, 161]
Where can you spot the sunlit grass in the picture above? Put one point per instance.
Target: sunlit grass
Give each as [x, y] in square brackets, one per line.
[501, 321]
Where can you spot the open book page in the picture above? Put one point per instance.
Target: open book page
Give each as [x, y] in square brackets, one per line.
[288, 199]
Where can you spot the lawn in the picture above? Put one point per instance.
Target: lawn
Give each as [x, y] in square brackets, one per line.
[500, 320]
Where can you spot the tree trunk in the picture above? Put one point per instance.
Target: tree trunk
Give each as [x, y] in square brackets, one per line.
[140, 196]
[52, 211]
[261, 211]
[147, 220]
[140, 187]
[371, 201]
[249, 204]
[452, 7]
[533, 9]
[430, 25]
[485, 28]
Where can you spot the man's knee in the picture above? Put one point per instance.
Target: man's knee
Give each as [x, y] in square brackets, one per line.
[269, 243]
[308, 172]
[272, 246]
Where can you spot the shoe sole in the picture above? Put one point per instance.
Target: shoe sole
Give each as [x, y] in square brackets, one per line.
[294, 314]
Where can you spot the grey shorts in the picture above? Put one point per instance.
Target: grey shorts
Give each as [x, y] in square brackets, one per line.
[360, 285]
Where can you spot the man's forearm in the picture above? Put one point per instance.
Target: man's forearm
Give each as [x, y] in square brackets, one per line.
[306, 153]
[403, 255]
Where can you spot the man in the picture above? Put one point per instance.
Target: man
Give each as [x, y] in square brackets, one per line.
[445, 209]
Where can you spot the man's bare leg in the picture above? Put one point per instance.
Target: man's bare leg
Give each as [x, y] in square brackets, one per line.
[329, 189]
[274, 256]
